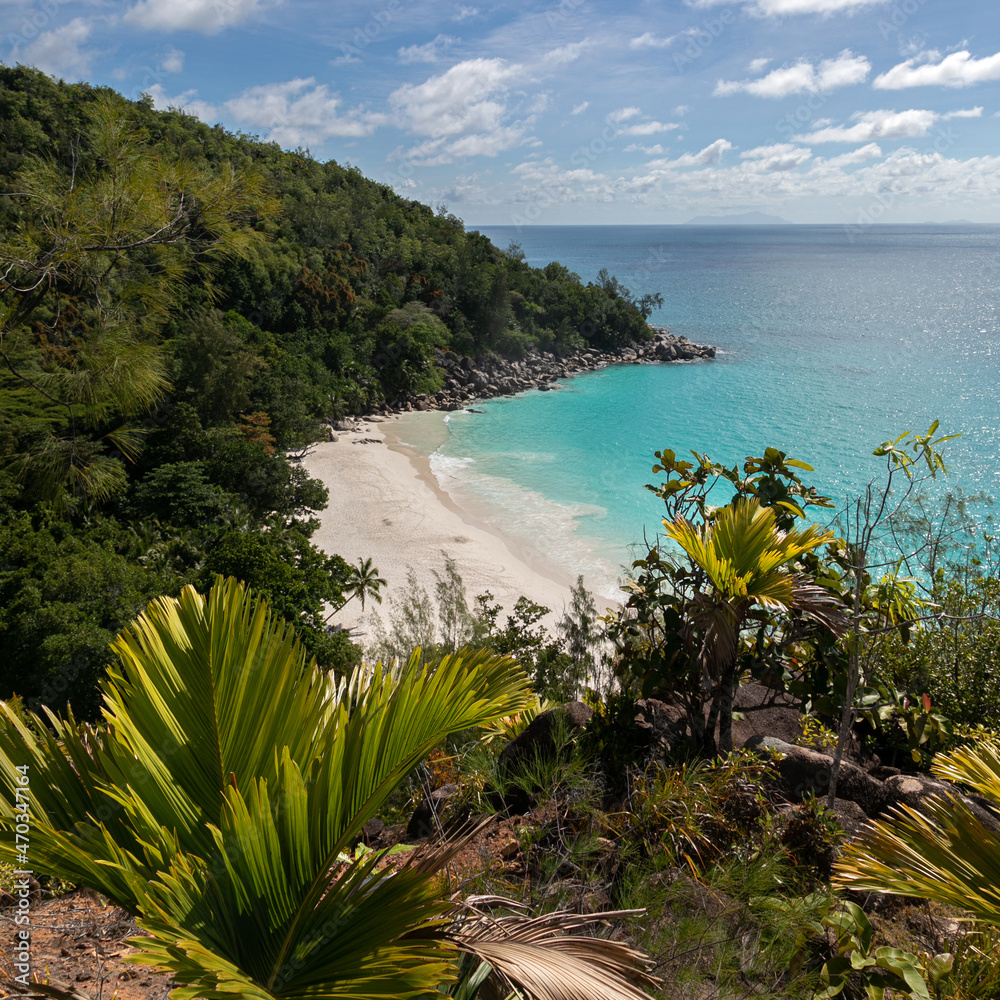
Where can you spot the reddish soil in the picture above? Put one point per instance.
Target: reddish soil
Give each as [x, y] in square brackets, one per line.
[79, 942]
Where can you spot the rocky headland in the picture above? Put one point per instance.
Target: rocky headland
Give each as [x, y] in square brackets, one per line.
[468, 380]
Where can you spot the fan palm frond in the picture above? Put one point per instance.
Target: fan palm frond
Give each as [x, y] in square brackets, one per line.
[943, 851]
[545, 958]
[230, 776]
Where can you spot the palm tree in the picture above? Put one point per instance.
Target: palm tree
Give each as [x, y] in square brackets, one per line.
[364, 581]
[942, 851]
[219, 798]
[746, 561]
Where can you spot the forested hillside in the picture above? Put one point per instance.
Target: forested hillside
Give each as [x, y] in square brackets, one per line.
[181, 309]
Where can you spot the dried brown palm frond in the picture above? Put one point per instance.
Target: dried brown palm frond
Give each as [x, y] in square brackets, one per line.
[546, 958]
[820, 604]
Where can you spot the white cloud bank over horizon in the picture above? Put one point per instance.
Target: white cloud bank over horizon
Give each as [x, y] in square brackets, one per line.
[885, 124]
[779, 8]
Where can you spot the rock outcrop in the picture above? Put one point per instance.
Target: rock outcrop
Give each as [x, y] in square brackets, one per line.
[467, 380]
[804, 772]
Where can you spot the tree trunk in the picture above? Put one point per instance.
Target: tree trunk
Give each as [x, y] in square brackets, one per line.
[696, 723]
[713, 720]
[726, 685]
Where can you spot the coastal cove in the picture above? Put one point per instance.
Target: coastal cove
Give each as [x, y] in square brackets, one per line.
[386, 504]
[823, 352]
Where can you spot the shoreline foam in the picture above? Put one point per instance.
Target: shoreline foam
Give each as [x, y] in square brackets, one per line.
[386, 504]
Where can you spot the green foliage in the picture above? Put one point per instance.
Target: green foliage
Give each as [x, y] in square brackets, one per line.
[182, 306]
[296, 578]
[682, 630]
[877, 969]
[64, 593]
[952, 658]
[944, 851]
[182, 673]
[559, 771]
[542, 655]
[925, 448]
[728, 933]
[180, 493]
[695, 813]
[581, 637]
[215, 811]
[91, 258]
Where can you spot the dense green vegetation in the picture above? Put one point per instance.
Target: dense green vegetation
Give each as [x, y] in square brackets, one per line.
[181, 309]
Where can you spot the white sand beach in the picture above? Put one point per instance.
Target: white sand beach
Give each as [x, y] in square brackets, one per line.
[386, 504]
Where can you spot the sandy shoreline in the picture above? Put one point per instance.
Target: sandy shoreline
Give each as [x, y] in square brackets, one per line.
[385, 504]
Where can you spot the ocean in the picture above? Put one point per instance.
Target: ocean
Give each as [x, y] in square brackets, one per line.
[830, 340]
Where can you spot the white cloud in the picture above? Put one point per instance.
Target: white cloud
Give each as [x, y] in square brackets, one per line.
[580, 108]
[709, 156]
[622, 115]
[648, 128]
[297, 113]
[929, 70]
[464, 13]
[207, 16]
[58, 52]
[872, 125]
[187, 102]
[469, 97]
[870, 152]
[637, 147]
[435, 152]
[776, 157]
[172, 61]
[778, 8]
[913, 182]
[648, 40]
[757, 65]
[539, 103]
[429, 52]
[545, 183]
[463, 112]
[566, 53]
[843, 71]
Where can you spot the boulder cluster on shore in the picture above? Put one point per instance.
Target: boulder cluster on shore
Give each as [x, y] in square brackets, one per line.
[468, 380]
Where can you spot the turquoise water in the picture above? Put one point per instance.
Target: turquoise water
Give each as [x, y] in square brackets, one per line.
[829, 342]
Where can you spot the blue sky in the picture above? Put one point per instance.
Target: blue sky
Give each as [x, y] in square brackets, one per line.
[578, 111]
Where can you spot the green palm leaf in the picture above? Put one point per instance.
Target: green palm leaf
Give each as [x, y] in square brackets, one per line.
[941, 852]
[743, 554]
[244, 921]
[230, 776]
[207, 692]
[978, 767]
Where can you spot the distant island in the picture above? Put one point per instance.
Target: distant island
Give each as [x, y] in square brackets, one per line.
[742, 219]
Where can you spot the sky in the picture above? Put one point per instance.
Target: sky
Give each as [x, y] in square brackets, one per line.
[578, 111]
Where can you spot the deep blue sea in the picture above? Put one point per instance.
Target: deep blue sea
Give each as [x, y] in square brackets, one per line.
[830, 341]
